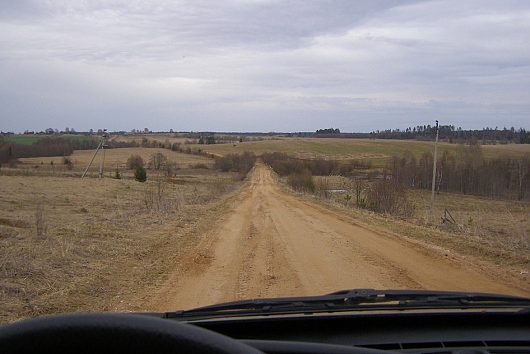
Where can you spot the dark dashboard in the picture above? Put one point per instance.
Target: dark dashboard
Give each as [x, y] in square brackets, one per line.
[453, 332]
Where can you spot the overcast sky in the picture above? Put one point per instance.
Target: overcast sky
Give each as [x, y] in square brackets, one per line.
[263, 65]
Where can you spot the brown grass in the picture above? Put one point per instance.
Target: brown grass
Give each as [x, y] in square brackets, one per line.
[102, 246]
[496, 230]
[114, 158]
[501, 223]
[376, 150]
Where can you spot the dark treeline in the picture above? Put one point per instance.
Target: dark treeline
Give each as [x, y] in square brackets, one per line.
[328, 131]
[285, 165]
[44, 147]
[52, 146]
[467, 172]
[457, 135]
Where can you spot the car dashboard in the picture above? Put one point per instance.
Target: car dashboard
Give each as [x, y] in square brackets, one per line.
[401, 332]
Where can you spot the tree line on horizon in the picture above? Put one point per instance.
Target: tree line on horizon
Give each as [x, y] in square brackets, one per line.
[452, 134]
[447, 133]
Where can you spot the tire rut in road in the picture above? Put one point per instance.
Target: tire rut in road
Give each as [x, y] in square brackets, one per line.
[272, 244]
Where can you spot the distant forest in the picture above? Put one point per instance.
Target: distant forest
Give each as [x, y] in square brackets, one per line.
[451, 134]
[447, 133]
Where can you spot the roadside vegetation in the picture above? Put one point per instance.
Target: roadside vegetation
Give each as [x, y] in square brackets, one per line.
[72, 244]
[241, 163]
[481, 203]
[466, 171]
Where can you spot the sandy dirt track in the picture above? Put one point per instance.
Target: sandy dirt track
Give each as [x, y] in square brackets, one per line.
[275, 244]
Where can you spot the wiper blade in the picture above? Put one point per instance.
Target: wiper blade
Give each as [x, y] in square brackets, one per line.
[356, 299]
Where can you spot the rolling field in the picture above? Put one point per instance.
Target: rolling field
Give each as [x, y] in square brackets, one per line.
[377, 150]
[101, 241]
[113, 158]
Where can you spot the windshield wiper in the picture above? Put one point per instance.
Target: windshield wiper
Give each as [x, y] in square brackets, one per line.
[357, 299]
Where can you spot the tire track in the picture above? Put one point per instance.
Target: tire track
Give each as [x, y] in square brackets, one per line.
[273, 244]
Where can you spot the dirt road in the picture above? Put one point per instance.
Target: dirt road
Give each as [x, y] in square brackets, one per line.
[275, 244]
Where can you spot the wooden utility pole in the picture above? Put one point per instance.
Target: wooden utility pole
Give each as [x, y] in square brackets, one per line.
[102, 163]
[434, 171]
[102, 145]
[92, 159]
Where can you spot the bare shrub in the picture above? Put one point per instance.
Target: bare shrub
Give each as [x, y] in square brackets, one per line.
[157, 198]
[68, 163]
[158, 161]
[154, 196]
[241, 163]
[40, 221]
[359, 186]
[285, 165]
[169, 168]
[389, 198]
[199, 166]
[302, 181]
[135, 161]
[322, 188]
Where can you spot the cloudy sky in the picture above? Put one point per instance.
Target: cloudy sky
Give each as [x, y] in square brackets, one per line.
[263, 65]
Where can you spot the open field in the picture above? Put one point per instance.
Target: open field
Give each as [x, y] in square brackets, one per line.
[100, 241]
[376, 150]
[24, 139]
[113, 158]
[161, 137]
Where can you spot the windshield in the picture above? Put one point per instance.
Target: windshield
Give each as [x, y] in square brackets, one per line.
[161, 156]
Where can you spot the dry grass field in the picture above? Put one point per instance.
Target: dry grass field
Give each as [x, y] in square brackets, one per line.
[72, 244]
[114, 158]
[502, 224]
[376, 150]
[160, 137]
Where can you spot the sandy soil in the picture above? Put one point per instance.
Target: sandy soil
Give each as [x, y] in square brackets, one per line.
[275, 244]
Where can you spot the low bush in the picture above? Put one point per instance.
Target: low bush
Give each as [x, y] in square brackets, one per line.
[68, 163]
[241, 163]
[302, 181]
[135, 161]
[285, 165]
[386, 197]
[140, 174]
[199, 166]
[158, 161]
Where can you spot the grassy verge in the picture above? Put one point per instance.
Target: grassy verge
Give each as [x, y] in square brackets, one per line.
[69, 245]
[493, 231]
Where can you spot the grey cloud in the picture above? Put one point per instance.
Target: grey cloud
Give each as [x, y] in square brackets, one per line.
[263, 65]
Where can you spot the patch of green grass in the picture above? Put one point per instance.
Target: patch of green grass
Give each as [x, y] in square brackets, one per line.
[23, 139]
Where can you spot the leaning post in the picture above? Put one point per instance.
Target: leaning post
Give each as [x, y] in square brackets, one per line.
[434, 171]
